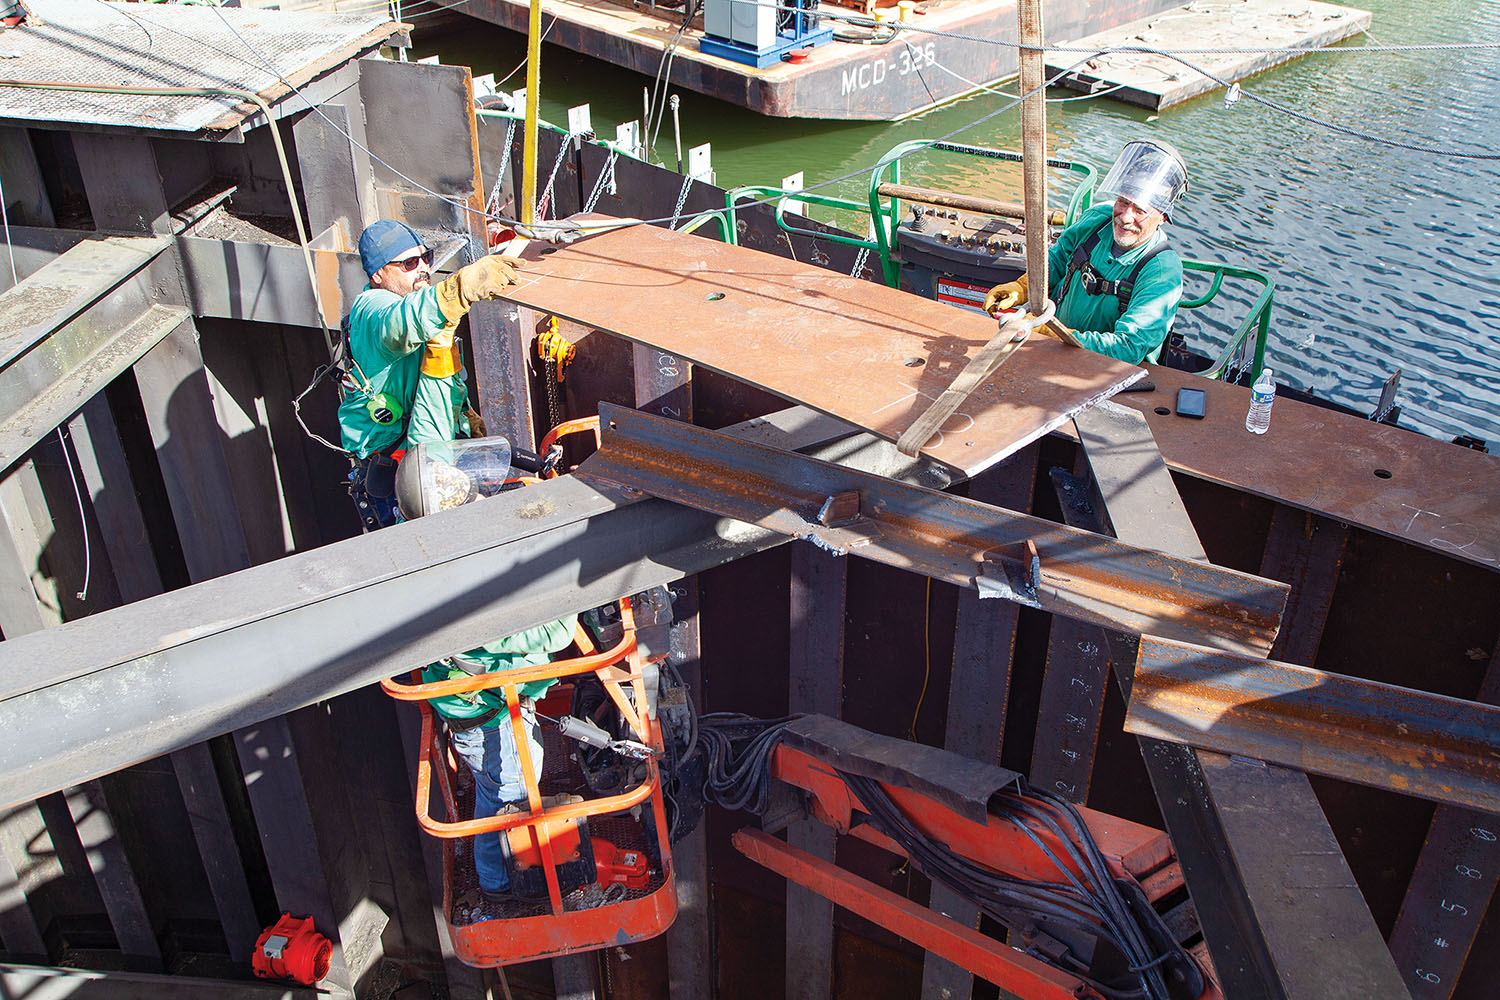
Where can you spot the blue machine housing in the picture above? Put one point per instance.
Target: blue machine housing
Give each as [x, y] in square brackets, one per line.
[798, 27]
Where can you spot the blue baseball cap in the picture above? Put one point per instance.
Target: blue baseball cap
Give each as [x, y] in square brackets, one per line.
[384, 241]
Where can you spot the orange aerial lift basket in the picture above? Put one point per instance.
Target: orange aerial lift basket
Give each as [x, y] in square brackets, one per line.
[621, 838]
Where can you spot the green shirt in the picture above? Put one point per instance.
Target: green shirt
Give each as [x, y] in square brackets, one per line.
[524, 649]
[1138, 334]
[386, 334]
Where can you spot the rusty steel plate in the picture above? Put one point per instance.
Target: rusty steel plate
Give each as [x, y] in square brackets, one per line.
[871, 355]
[1430, 493]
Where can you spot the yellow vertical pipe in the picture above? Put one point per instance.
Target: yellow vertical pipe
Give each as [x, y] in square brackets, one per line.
[533, 102]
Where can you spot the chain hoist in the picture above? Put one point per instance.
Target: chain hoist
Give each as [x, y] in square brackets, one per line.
[556, 353]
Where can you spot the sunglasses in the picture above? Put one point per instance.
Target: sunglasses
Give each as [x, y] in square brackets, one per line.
[410, 263]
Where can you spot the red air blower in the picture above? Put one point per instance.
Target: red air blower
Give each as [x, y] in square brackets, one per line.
[291, 949]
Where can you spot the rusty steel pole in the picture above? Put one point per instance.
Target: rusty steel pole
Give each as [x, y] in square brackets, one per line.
[1034, 151]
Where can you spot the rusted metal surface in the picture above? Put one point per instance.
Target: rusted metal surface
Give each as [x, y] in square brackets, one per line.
[1427, 745]
[1081, 575]
[865, 353]
[1429, 493]
[1451, 888]
[1282, 915]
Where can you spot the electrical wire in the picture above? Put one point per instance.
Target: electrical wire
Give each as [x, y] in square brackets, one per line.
[664, 73]
[1087, 902]
[911, 731]
[739, 751]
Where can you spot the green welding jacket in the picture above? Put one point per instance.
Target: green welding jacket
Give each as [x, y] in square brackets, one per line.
[524, 649]
[1137, 334]
[386, 334]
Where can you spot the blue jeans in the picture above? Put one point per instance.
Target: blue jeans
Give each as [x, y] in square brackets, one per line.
[491, 755]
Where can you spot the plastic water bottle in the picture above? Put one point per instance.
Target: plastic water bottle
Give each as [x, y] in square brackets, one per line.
[1262, 395]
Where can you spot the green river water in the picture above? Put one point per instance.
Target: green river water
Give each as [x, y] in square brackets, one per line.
[1384, 257]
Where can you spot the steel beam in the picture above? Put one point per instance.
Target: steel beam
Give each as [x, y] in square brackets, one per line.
[72, 327]
[95, 695]
[984, 636]
[1427, 745]
[664, 384]
[1086, 576]
[1281, 913]
[819, 587]
[1451, 887]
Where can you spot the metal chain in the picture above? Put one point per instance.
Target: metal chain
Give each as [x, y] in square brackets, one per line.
[864, 253]
[687, 182]
[605, 176]
[493, 205]
[550, 372]
[543, 203]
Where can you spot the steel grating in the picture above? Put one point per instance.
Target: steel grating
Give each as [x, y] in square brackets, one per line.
[170, 45]
[871, 355]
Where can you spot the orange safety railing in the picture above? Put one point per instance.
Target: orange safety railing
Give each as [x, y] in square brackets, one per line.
[604, 665]
[579, 426]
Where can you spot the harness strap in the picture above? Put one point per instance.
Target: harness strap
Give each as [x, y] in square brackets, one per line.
[1122, 289]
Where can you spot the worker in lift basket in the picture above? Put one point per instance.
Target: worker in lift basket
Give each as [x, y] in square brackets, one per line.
[406, 380]
[439, 475]
[1115, 283]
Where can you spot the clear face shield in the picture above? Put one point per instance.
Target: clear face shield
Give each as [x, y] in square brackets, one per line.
[1149, 173]
[447, 474]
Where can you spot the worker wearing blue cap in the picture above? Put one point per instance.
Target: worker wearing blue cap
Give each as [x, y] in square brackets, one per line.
[405, 384]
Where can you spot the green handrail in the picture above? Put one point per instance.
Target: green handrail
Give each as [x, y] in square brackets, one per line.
[1256, 321]
[761, 192]
[887, 215]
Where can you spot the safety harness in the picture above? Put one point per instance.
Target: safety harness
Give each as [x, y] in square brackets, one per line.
[1095, 283]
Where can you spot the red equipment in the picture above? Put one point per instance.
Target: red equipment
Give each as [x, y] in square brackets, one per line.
[548, 836]
[291, 949]
[935, 793]
[628, 868]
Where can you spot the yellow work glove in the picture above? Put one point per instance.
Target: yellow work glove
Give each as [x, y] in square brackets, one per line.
[1005, 296]
[482, 279]
[440, 358]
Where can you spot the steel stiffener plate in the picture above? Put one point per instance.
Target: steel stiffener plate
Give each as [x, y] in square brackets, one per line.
[170, 45]
[865, 353]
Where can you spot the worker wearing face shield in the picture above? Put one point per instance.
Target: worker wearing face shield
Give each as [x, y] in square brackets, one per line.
[1113, 279]
[404, 381]
[440, 475]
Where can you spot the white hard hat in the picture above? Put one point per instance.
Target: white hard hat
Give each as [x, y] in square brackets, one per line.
[1149, 173]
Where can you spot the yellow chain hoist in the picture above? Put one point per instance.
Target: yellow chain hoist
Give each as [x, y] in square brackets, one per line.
[554, 347]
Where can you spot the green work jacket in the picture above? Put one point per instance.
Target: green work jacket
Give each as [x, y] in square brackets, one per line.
[1138, 334]
[386, 334]
[524, 649]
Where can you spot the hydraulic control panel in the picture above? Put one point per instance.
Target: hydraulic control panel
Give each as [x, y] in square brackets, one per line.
[955, 256]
